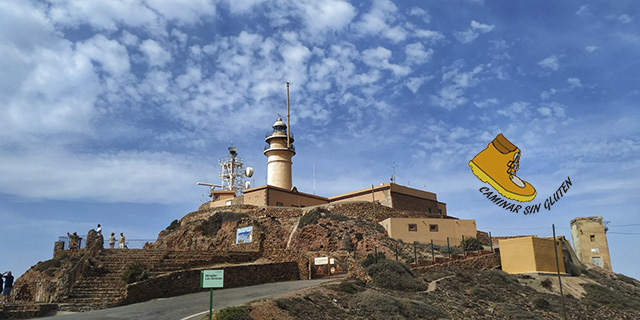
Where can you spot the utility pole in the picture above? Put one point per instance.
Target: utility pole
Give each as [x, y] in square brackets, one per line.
[555, 247]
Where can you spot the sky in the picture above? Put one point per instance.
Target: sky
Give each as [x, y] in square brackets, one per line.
[111, 111]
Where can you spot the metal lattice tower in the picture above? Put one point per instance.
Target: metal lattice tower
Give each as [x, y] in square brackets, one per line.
[232, 171]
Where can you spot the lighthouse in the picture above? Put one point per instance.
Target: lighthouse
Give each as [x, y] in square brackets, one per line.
[279, 151]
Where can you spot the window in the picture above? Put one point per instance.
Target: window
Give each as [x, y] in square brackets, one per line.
[433, 228]
[592, 237]
[430, 212]
[279, 204]
[413, 227]
[440, 211]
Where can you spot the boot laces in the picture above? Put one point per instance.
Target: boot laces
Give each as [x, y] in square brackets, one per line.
[513, 165]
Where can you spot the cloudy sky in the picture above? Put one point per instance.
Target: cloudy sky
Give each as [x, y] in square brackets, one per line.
[112, 110]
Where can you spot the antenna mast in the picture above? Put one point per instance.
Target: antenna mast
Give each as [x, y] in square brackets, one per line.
[288, 125]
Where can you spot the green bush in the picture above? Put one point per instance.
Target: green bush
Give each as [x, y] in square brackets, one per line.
[234, 313]
[546, 283]
[471, 244]
[390, 274]
[211, 226]
[615, 299]
[51, 264]
[541, 303]
[175, 224]
[311, 217]
[371, 259]
[134, 272]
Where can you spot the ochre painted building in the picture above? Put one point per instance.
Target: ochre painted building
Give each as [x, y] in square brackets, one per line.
[530, 255]
[590, 241]
[424, 230]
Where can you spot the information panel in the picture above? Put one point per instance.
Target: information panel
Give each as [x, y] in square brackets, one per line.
[212, 278]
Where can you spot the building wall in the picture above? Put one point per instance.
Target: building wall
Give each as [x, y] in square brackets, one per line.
[530, 255]
[397, 197]
[454, 229]
[590, 241]
[273, 196]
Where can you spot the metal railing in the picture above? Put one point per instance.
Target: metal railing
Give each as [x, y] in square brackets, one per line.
[129, 244]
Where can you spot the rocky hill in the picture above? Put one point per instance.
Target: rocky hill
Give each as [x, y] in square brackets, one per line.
[434, 287]
[470, 289]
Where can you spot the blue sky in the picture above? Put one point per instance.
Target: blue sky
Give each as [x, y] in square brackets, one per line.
[112, 110]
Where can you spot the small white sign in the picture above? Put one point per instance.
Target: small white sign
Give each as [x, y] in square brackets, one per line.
[321, 261]
[212, 278]
[332, 261]
[595, 250]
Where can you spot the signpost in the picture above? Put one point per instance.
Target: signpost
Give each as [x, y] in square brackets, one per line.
[211, 279]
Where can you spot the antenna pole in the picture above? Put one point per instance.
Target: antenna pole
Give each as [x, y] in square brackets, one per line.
[288, 125]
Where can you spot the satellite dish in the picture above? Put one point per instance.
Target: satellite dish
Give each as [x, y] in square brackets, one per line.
[247, 184]
[248, 172]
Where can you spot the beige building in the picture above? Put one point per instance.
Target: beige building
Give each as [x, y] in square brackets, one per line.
[424, 230]
[274, 196]
[530, 255]
[398, 197]
[590, 241]
[279, 190]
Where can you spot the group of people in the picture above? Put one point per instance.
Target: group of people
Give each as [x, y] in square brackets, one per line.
[112, 239]
[74, 239]
[7, 279]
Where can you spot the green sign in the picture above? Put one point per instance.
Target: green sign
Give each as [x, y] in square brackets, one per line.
[212, 278]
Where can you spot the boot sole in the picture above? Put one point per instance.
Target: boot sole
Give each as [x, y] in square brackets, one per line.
[485, 178]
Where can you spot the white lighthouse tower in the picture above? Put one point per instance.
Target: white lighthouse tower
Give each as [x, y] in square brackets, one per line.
[279, 151]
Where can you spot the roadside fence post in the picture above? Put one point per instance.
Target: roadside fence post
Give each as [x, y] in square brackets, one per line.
[448, 249]
[433, 256]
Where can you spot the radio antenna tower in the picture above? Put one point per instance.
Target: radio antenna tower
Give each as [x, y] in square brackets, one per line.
[232, 173]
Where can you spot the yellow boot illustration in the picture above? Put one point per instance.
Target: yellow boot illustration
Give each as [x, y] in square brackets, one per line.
[497, 165]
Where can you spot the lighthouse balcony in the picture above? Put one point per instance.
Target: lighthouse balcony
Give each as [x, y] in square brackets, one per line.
[291, 147]
[270, 133]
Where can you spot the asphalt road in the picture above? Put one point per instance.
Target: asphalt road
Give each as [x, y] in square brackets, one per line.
[192, 306]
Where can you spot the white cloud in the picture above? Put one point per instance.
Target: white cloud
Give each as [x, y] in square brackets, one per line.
[416, 53]
[584, 10]
[379, 58]
[551, 62]
[320, 16]
[156, 55]
[516, 111]
[456, 83]
[378, 22]
[140, 177]
[624, 18]
[486, 103]
[111, 55]
[428, 34]
[473, 32]
[591, 48]
[574, 82]
[414, 84]
[544, 95]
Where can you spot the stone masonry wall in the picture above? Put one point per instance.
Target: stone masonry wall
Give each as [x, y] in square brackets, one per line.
[188, 281]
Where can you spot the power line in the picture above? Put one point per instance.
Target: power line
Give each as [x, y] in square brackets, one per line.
[629, 233]
[626, 225]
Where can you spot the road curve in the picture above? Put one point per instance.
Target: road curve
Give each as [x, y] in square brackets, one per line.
[192, 306]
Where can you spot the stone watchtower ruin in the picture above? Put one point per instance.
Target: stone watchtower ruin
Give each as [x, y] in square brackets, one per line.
[590, 241]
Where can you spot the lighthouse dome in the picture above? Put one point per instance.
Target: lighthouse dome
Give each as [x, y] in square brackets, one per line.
[279, 125]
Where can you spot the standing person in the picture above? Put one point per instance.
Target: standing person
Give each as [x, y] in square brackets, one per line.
[112, 240]
[99, 229]
[121, 241]
[8, 285]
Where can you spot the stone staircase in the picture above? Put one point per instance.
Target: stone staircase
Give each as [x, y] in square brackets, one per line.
[101, 285]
